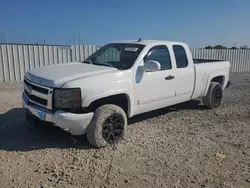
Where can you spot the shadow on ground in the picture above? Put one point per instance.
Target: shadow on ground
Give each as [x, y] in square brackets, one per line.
[17, 135]
[190, 105]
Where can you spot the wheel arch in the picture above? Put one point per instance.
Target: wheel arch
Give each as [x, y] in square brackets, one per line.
[122, 100]
[220, 78]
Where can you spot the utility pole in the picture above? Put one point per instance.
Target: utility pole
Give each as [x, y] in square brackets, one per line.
[73, 39]
[79, 37]
[7, 37]
[44, 39]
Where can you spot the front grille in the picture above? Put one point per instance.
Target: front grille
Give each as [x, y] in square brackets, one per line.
[36, 99]
[38, 95]
[36, 88]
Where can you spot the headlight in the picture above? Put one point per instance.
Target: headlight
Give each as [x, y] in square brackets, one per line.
[67, 98]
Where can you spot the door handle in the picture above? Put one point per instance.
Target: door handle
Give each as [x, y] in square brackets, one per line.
[170, 77]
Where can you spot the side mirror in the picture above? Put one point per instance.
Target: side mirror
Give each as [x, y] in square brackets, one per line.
[152, 66]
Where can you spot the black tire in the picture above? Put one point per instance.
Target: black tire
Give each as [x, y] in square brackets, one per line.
[214, 96]
[109, 121]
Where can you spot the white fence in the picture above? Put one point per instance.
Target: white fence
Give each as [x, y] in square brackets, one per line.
[239, 59]
[15, 60]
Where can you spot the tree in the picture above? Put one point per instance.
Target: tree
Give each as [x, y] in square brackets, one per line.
[244, 47]
[220, 47]
[234, 48]
[208, 47]
[216, 47]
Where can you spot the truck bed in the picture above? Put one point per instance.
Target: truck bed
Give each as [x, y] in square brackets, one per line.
[196, 61]
[205, 70]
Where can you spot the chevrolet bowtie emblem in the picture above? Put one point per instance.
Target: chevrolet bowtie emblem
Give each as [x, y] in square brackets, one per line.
[28, 89]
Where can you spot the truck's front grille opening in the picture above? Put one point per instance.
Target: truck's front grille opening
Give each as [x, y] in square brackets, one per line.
[37, 99]
[38, 95]
[36, 88]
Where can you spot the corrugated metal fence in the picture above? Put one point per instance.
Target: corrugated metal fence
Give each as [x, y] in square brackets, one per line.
[239, 59]
[15, 60]
[81, 52]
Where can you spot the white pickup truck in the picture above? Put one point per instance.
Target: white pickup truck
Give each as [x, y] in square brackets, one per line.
[118, 81]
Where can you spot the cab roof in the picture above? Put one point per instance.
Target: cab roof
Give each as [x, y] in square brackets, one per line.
[148, 42]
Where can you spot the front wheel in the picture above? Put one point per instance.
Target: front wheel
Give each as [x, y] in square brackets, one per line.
[108, 126]
[214, 95]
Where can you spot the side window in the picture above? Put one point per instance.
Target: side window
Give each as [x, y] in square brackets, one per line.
[180, 56]
[160, 54]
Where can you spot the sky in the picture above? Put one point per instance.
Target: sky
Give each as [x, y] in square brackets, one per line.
[196, 22]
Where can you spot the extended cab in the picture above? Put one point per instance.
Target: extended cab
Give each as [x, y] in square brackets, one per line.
[118, 81]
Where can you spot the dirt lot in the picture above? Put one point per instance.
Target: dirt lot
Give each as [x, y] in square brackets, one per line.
[172, 147]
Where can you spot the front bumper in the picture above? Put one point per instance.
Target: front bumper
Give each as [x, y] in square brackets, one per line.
[76, 124]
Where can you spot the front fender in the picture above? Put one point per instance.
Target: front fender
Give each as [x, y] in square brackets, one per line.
[102, 90]
[89, 99]
[105, 85]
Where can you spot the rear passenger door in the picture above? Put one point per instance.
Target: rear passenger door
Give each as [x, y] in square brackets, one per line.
[184, 73]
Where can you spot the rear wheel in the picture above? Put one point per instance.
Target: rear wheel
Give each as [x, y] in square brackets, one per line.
[108, 126]
[214, 95]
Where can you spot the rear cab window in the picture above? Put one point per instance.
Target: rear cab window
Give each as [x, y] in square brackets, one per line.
[180, 56]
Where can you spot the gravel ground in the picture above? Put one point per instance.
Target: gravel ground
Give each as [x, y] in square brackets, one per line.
[171, 147]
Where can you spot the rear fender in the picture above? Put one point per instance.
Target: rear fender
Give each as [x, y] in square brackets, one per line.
[213, 75]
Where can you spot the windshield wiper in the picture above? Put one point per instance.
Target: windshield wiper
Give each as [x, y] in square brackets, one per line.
[88, 61]
[105, 64]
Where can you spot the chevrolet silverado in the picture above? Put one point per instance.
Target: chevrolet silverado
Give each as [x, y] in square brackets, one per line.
[118, 81]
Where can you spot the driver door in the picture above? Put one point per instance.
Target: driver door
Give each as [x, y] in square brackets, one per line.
[155, 90]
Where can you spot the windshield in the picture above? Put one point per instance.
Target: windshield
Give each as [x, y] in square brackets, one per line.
[119, 55]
